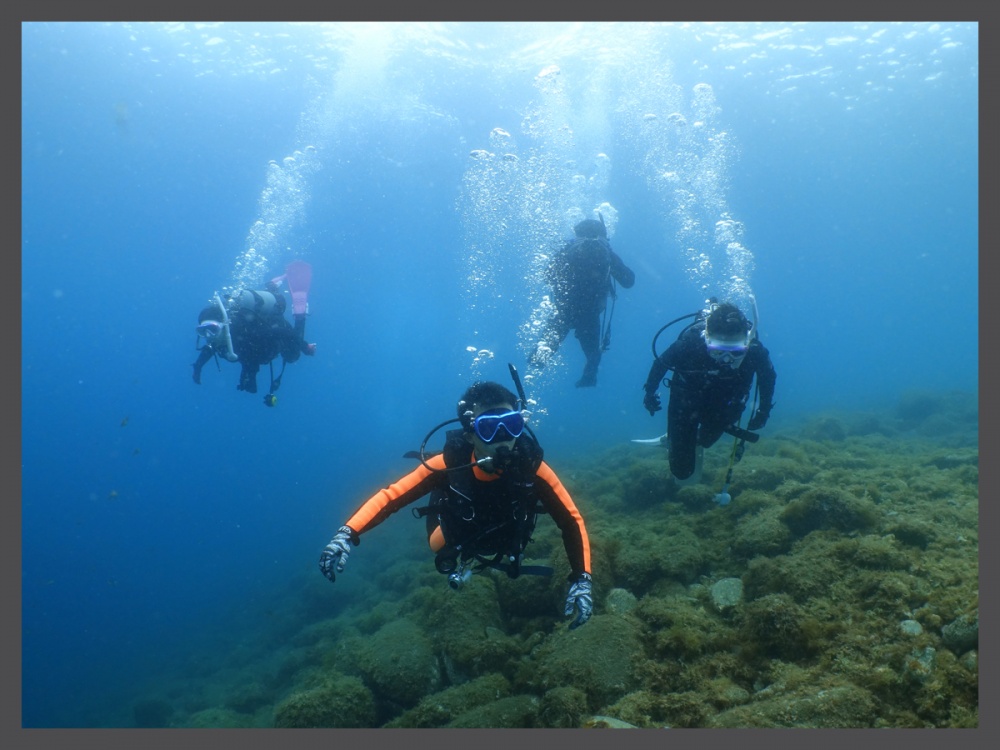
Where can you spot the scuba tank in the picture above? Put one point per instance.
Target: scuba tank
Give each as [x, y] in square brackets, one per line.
[257, 301]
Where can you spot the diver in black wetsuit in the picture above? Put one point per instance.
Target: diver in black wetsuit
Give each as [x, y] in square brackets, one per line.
[714, 361]
[252, 330]
[582, 275]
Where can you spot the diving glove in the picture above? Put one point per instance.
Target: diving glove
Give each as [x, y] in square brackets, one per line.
[652, 402]
[580, 598]
[334, 555]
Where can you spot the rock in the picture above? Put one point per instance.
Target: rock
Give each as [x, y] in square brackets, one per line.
[620, 601]
[962, 634]
[727, 593]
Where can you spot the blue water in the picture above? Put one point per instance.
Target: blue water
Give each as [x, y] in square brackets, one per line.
[164, 162]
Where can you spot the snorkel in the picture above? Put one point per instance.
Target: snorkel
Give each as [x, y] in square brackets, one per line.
[520, 389]
[229, 353]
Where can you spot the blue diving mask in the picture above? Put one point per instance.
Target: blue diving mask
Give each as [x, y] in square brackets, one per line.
[487, 425]
[727, 352]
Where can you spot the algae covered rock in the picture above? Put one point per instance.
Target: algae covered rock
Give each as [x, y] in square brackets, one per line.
[914, 533]
[218, 718]
[776, 626]
[647, 484]
[962, 634]
[767, 473]
[515, 712]
[562, 708]
[339, 703]
[467, 629]
[825, 507]
[247, 697]
[727, 593]
[620, 601]
[649, 555]
[527, 596]
[761, 533]
[439, 709]
[680, 628]
[599, 658]
[398, 663]
[606, 722]
[809, 569]
[832, 706]
[645, 708]
[826, 428]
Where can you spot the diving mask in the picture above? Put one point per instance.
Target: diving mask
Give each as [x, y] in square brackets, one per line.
[209, 329]
[487, 425]
[727, 352]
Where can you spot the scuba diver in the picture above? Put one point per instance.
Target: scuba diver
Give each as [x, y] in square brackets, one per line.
[714, 361]
[250, 328]
[583, 276]
[486, 490]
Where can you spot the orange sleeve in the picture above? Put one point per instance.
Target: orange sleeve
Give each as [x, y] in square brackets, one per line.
[557, 501]
[385, 502]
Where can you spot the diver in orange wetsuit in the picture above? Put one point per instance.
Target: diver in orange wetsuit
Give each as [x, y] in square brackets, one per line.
[487, 488]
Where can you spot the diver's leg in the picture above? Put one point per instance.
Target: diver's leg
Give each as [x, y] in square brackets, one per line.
[588, 332]
[550, 341]
[682, 433]
[248, 378]
[710, 432]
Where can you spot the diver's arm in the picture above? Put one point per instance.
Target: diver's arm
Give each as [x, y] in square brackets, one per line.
[658, 370]
[560, 506]
[622, 273]
[300, 336]
[766, 376]
[398, 495]
[203, 356]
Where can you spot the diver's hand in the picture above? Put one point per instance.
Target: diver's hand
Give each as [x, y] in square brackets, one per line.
[334, 555]
[758, 420]
[580, 598]
[652, 402]
[309, 350]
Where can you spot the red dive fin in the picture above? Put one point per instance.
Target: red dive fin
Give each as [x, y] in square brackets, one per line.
[298, 274]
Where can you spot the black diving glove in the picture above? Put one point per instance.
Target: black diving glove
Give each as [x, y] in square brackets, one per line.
[580, 598]
[652, 402]
[334, 555]
[758, 420]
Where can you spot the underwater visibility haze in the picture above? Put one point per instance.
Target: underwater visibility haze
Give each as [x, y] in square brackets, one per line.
[827, 172]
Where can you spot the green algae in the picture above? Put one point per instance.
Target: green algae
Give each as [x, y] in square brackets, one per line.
[441, 708]
[341, 702]
[855, 539]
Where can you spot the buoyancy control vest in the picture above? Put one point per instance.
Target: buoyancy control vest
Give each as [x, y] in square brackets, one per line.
[486, 519]
[582, 271]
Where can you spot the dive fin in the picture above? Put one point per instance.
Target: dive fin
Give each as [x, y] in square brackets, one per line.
[661, 440]
[298, 274]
